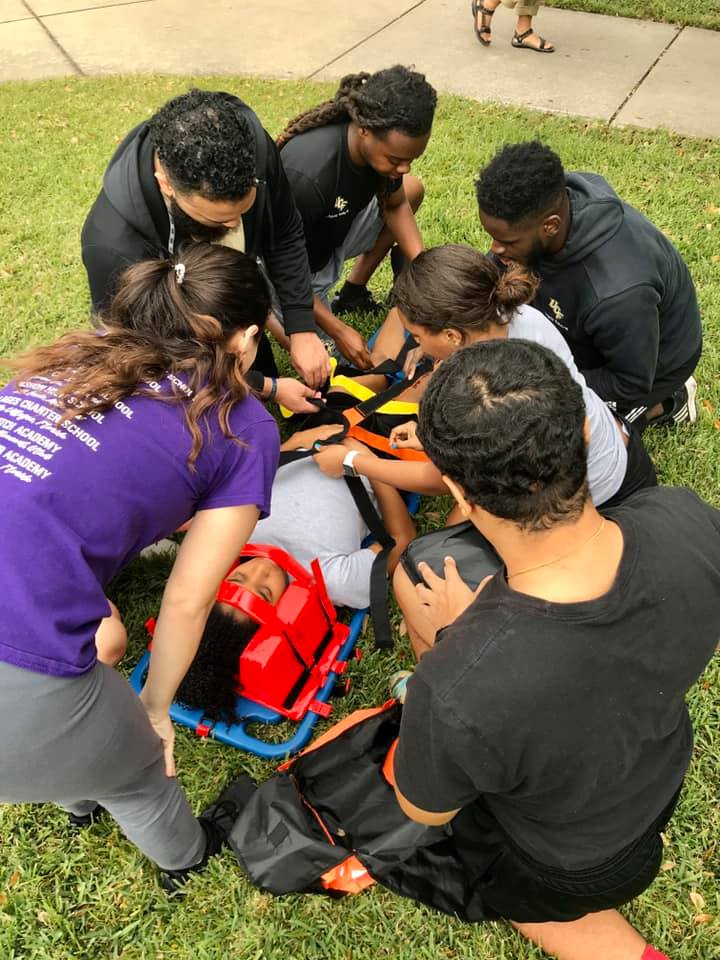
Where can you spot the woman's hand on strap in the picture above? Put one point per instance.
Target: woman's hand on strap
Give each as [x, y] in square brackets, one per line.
[445, 599]
[294, 395]
[305, 439]
[162, 725]
[330, 459]
[405, 436]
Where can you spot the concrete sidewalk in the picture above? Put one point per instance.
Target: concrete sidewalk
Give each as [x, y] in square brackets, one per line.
[617, 70]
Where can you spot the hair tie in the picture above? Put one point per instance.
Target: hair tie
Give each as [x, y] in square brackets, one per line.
[179, 273]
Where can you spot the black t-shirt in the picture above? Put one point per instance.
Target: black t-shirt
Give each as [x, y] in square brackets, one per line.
[329, 189]
[570, 719]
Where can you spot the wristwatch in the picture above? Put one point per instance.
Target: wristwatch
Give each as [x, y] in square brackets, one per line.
[348, 468]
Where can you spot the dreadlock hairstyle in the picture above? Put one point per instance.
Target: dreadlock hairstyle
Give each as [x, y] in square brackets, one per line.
[206, 144]
[504, 419]
[393, 99]
[455, 286]
[168, 317]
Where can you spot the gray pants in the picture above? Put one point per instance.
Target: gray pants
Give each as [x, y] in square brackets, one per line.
[363, 233]
[78, 741]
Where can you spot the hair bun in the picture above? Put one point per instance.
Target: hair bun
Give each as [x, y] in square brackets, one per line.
[515, 287]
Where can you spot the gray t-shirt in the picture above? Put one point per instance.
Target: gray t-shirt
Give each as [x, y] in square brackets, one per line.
[607, 454]
[315, 516]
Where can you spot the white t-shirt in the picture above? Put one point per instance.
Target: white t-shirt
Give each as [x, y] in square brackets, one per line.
[607, 454]
[315, 516]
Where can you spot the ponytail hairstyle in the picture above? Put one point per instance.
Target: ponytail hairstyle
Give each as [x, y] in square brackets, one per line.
[393, 99]
[168, 316]
[455, 286]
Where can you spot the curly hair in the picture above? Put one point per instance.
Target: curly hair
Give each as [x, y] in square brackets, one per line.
[456, 286]
[521, 181]
[393, 99]
[504, 419]
[156, 327]
[211, 682]
[206, 145]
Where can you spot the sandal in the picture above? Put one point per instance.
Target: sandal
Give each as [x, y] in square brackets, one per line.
[518, 41]
[483, 34]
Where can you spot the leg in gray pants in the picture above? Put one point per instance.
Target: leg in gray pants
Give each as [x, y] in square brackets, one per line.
[78, 741]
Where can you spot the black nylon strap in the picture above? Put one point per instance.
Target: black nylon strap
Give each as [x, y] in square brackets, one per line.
[373, 521]
[378, 574]
[388, 367]
[379, 611]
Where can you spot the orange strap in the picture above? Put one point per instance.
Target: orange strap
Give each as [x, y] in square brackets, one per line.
[354, 418]
[377, 442]
[352, 719]
[388, 767]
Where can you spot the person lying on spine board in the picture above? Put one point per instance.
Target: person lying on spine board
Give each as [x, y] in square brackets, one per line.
[312, 516]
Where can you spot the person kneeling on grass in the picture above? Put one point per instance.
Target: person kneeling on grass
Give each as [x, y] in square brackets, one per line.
[313, 516]
[452, 296]
[547, 726]
[348, 161]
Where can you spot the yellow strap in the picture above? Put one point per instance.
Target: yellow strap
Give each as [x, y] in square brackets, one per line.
[399, 408]
[355, 389]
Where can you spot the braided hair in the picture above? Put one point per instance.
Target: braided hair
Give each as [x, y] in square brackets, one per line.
[393, 99]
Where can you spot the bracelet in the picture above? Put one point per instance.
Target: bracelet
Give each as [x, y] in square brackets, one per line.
[273, 388]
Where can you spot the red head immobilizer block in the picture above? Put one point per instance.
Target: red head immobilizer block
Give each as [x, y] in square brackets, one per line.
[297, 641]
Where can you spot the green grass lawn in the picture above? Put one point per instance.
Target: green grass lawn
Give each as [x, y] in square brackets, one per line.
[64, 897]
[690, 13]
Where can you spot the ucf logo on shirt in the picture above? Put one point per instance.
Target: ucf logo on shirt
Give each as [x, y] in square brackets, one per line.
[555, 313]
[340, 208]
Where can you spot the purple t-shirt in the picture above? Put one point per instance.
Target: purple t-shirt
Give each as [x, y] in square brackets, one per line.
[81, 499]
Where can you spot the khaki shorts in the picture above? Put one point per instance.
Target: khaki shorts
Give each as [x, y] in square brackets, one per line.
[522, 9]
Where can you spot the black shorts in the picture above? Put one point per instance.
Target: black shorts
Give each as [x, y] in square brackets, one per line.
[508, 883]
[640, 470]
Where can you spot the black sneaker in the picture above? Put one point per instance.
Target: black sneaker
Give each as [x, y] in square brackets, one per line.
[217, 823]
[680, 407]
[361, 302]
[683, 402]
[82, 821]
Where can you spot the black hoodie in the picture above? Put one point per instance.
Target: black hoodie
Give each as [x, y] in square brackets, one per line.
[621, 295]
[129, 222]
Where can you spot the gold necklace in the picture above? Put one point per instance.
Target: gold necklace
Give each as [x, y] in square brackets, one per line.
[563, 556]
